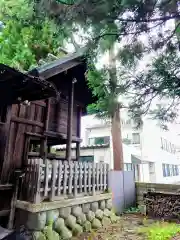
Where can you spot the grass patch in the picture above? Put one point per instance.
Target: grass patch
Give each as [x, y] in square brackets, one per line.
[160, 231]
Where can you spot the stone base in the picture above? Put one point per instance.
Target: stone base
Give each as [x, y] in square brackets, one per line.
[65, 222]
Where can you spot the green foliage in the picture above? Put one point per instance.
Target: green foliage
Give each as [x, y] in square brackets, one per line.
[161, 231]
[137, 28]
[160, 80]
[97, 83]
[108, 37]
[132, 210]
[25, 39]
[106, 88]
[68, 2]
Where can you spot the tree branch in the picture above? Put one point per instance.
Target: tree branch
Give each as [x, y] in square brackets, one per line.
[76, 46]
[126, 34]
[166, 18]
[65, 3]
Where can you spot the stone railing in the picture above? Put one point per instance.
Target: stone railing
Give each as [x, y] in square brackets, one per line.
[55, 180]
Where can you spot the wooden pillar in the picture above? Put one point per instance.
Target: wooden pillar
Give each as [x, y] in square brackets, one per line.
[49, 149]
[70, 120]
[77, 151]
[7, 138]
[78, 133]
[47, 114]
[44, 141]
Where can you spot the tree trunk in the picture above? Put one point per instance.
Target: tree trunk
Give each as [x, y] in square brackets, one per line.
[116, 120]
[117, 141]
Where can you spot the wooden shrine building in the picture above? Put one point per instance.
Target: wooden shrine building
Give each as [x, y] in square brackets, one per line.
[38, 110]
[41, 109]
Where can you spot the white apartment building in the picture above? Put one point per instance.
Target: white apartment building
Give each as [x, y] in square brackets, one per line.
[150, 151]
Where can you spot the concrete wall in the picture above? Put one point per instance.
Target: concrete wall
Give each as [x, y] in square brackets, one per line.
[100, 154]
[144, 175]
[149, 150]
[142, 188]
[152, 151]
[106, 154]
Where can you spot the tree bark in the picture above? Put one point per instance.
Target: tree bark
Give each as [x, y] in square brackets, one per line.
[117, 141]
[116, 119]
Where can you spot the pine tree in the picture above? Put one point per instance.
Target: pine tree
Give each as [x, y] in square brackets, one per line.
[26, 38]
[129, 22]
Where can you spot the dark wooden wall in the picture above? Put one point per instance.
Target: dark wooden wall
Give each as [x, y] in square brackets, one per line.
[32, 119]
[24, 119]
[59, 117]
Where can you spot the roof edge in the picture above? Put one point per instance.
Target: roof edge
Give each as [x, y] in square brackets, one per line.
[63, 60]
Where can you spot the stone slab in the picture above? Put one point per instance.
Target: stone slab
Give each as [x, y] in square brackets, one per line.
[45, 206]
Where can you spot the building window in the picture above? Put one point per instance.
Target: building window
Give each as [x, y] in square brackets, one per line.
[99, 140]
[168, 146]
[135, 138]
[126, 122]
[34, 146]
[126, 141]
[164, 170]
[86, 158]
[151, 168]
[170, 170]
[176, 170]
[128, 167]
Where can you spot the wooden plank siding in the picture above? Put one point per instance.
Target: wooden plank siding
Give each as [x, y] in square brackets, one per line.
[23, 119]
[31, 119]
[59, 117]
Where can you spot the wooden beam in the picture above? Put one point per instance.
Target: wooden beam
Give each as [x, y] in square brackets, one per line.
[4, 213]
[43, 150]
[26, 121]
[34, 154]
[49, 149]
[6, 187]
[26, 150]
[14, 200]
[70, 120]
[61, 136]
[6, 160]
[19, 138]
[47, 114]
[34, 135]
[77, 151]
[40, 103]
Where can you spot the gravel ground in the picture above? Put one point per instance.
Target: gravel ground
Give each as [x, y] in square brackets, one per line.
[125, 229]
